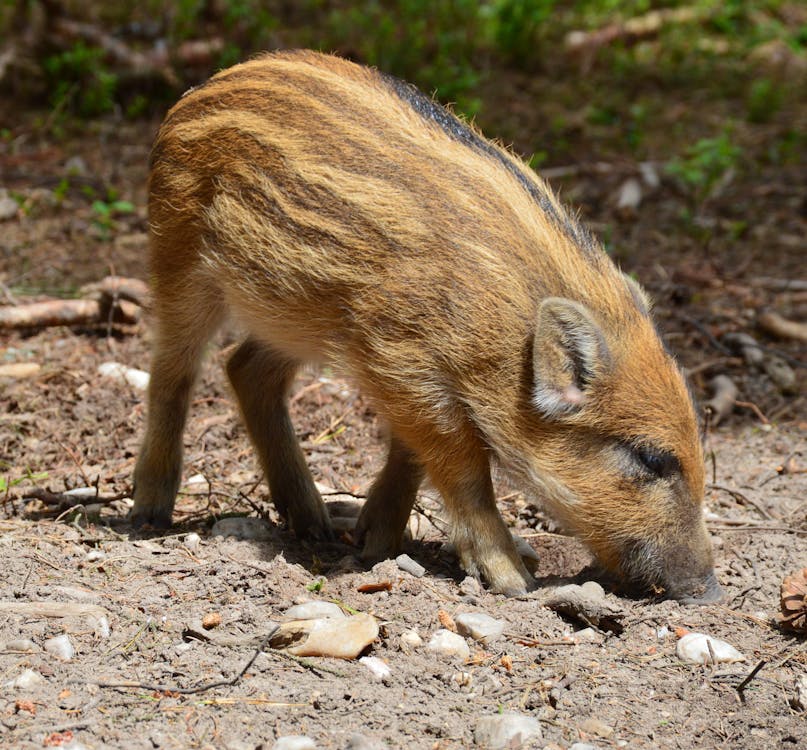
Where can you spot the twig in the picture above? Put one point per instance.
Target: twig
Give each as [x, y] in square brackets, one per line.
[199, 688]
[64, 502]
[744, 499]
[754, 408]
[780, 285]
[750, 676]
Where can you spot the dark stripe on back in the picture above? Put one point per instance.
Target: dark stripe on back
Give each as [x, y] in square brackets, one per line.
[459, 131]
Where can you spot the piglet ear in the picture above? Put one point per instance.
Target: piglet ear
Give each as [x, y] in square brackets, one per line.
[569, 354]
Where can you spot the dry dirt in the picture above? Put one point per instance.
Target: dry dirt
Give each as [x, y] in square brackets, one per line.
[68, 427]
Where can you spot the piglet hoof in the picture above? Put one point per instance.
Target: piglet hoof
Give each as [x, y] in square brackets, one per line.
[150, 518]
[314, 527]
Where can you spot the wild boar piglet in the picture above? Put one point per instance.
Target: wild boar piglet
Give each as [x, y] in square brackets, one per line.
[339, 215]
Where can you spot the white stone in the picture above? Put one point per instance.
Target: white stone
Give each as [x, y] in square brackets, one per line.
[693, 648]
[649, 174]
[582, 746]
[313, 611]
[479, 626]
[61, 647]
[27, 680]
[662, 632]
[410, 640]
[410, 566]
[240, 527]
[21, 644]
[192, 541]
[196, 479]
[294, 742]
[446, 643]
[506, 730]
[85, 493]
[94, 555]
[630, 194]
[75, 744]
[378, 668]
[136, 378]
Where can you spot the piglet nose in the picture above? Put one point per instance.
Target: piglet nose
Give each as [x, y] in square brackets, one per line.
[707, 591]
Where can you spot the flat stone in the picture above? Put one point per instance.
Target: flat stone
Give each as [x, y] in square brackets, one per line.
[508, 730]
[479, 626]
[255, 529]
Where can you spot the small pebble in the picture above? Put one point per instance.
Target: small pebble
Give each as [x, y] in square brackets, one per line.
[506, 730]
[693, 648]
[294, 742]
[75, 744]
[21, 644]
[595, 726]
[582, 746]
[377, 667]
[61, 647]
[479, 626]
[410, 640]
[27, 680]
[192, 541]
[662, 632]
[313, 611]
[136, 378]
[196, 479]
[94, 555]
[446, 643]
[410, 566]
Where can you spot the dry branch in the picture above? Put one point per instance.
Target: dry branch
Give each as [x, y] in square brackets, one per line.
[782, 328]
[587, 43]
[114, 288]
[69, 312]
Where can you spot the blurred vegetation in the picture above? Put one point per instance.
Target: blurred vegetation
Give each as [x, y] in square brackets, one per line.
[750, 55]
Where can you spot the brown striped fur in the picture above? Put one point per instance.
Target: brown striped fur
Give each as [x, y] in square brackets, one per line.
[339, 215]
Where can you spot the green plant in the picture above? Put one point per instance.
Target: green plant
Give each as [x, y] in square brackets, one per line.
[6, 484]
[705, 163]
[432, 43]
[106, 212]
[79, 82]
[764, 100]
[516, 26]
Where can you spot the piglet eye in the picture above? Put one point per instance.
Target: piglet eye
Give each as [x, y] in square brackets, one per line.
[660, 463]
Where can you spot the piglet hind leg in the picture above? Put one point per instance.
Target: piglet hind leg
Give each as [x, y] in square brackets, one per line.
[261, 378]
[480, 536]
[383, 517]
[185, 321]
